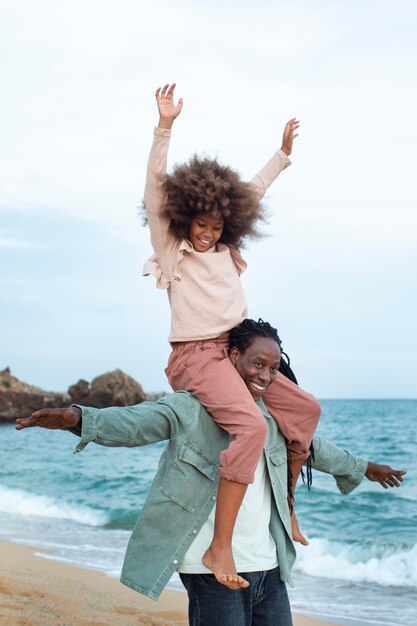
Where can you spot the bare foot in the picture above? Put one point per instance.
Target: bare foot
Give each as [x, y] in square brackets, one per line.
[222, 565]
[296, 534]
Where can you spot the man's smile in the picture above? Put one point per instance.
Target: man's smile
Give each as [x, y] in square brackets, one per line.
[258, 387]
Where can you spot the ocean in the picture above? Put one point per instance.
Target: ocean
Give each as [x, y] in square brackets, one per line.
[360, 566]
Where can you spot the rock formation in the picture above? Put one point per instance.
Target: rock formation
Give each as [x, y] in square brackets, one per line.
[111, 389]
[18, 399]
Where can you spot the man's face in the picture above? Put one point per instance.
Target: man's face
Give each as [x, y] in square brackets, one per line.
[258, 365]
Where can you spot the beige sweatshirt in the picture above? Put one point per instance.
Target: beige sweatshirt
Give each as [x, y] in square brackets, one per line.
[204, 288]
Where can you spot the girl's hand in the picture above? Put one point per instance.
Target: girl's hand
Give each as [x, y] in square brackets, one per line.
[168, 111]
[289, 136]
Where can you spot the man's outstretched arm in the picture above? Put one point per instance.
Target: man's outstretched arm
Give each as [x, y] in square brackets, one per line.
[137, 425]
[349, 470]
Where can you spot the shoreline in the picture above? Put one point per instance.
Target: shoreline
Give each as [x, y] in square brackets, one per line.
[38, 591]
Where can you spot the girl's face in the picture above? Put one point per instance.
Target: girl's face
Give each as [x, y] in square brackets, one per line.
[258, 365]
[205, 232]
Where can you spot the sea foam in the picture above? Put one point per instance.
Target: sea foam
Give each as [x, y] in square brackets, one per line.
[20, 502]
[384, 564]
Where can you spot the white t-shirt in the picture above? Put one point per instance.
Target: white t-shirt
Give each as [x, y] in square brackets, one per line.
[253, 547]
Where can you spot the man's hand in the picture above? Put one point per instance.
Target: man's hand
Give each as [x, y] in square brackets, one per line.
[168, 111]
[52, 419]
[289, 136]
[384, 475]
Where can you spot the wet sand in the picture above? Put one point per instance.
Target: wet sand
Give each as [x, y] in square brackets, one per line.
[36, 591]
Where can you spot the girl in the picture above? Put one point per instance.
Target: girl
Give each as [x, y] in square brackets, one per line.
[198, 218]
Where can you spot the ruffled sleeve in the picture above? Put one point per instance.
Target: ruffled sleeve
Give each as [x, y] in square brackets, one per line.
[153, 268]
[167, 268]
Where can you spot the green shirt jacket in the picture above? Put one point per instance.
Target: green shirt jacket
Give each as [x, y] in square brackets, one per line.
[184, 489]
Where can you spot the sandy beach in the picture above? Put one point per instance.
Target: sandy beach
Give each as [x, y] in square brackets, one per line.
[36, 591]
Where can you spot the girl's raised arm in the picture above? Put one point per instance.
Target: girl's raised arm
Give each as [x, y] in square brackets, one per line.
[154, 197]
[168, 111]
[266, 176]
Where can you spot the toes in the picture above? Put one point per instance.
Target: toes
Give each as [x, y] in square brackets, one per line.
[232, 578]
[302, 540]
[237, 581]
[232, 581]
[233, 586]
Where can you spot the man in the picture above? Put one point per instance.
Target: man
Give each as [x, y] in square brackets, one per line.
[183, 493]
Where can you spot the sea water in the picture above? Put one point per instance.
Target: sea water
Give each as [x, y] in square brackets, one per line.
[361, 563]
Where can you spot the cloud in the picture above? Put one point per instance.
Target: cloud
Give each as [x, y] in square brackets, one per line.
[9, 243]
[76, 118]
[78, 95]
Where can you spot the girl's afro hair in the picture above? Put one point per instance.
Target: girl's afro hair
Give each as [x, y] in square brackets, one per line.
[203, 186]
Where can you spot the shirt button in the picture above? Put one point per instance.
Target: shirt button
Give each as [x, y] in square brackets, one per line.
[213, 497]
[175, 562]
[194, 531]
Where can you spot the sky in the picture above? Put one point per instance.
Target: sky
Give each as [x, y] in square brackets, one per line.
[336, 273]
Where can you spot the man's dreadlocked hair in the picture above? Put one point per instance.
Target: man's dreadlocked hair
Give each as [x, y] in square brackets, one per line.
[242, 336]
[204, 187]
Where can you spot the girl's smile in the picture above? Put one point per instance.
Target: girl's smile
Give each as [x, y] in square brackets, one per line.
[205, 232]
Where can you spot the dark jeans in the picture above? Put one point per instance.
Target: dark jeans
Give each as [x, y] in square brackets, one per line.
[264, 603]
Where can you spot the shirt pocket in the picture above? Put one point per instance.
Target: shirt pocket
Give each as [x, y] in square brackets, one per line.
[278, 457]
[189, 479]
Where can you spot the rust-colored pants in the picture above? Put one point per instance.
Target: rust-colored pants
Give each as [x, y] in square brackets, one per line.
[203, 368]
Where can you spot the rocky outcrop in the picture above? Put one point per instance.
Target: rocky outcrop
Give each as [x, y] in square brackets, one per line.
[18, 399]
[111, 389]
